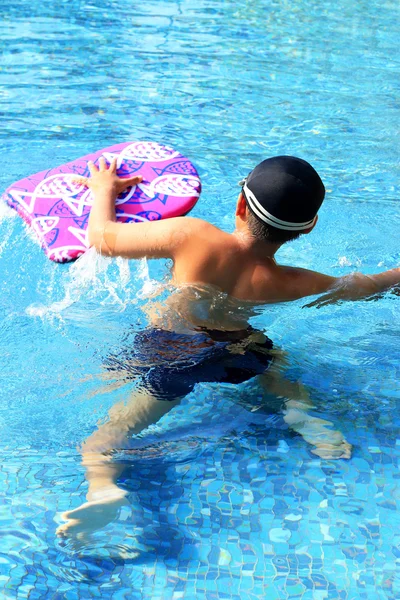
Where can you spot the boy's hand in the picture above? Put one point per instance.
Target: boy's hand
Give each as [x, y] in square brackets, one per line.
[105, 179]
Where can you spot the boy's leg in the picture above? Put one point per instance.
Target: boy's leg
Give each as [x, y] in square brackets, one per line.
[161, 388]
[102, 473]
[328, 442]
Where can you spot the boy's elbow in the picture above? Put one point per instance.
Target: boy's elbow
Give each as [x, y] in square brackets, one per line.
[94, 238]
[387, 279]
[91, 238]
[97, 240]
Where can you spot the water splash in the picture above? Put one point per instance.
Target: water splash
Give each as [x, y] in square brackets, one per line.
[99, 280]
[7, 216]
[6, 212]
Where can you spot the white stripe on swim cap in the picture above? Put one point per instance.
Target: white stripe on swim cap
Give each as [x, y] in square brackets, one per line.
[265, 216]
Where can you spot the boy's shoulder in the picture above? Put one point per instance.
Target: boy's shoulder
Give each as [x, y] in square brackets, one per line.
[274, 283]
[198, 224]
[292, 283]
[199, 230]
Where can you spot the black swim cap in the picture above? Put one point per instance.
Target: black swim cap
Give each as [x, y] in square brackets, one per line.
[285, 192]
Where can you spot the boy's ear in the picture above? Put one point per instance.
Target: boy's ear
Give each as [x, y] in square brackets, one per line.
[312, 226]
[241, 206]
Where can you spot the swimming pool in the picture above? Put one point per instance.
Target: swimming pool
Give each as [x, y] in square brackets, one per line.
[224, 503]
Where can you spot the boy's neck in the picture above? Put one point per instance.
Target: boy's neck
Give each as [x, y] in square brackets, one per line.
[249, 243]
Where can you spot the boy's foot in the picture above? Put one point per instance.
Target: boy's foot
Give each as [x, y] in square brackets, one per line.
[329, 443]
[93, 515]
[330, 451]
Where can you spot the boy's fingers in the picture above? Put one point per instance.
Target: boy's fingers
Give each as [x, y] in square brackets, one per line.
[113, 165]
[134, 180]
[102, 163]
[126, 182]
[92, 167]
[79, 179]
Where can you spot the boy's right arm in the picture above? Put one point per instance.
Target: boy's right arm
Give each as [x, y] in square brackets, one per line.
[158, 239]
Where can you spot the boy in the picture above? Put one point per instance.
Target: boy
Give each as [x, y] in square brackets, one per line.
[279, 201]
[203, 334]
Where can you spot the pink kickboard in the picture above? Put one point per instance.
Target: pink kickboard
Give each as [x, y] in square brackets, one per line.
[57, 208]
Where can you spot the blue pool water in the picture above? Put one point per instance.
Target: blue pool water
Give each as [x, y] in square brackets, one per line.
[224, 503]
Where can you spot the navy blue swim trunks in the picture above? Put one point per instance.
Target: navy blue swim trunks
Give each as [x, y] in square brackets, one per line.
[170, 364]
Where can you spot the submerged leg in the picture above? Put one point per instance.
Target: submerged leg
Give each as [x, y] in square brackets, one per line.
[104, 495]
[327, 442]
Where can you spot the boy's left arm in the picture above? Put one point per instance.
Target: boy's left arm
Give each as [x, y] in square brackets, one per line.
[355, 286]
[358, 286]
